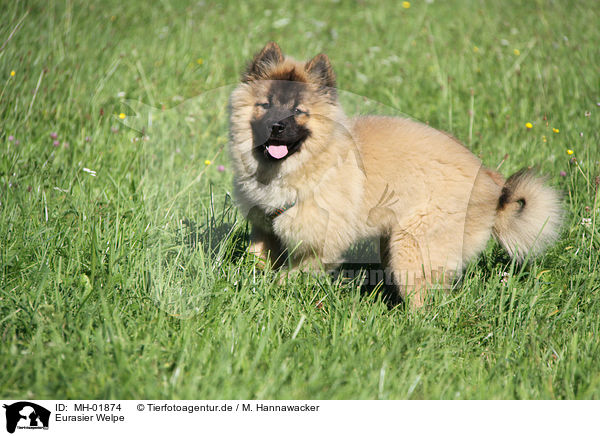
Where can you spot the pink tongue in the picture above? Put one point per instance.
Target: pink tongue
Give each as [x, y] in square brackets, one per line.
[277, 151]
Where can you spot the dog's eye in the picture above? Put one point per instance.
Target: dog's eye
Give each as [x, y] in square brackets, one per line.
[298, 111]
[264, 105]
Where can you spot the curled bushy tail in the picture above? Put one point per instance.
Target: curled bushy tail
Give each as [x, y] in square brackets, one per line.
[529, 215]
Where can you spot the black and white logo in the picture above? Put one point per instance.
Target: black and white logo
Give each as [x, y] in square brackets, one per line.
[26, 415]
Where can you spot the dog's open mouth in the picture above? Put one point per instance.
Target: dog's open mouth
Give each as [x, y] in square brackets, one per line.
[279, 150]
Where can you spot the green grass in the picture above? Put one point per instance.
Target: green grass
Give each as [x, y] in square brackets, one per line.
[133, 283]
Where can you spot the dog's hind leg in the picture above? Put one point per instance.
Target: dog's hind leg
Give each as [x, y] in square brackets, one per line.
[414, 272]
[401, 254]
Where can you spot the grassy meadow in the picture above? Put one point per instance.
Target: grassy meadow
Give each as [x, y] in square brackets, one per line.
[122, 264]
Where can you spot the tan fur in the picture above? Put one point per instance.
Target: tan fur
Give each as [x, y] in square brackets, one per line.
[528, 229]
[429, 198]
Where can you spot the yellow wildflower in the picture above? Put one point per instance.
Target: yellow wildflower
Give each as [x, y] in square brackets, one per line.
[12, 73]
[199, 61]
[555, 130]
[475, 49]
[517, 52]
[207, 162]
[529, 125]
[569, 151]
[122, 116]
[406, 5]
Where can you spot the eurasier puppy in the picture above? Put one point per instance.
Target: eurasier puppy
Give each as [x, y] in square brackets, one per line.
[313, 181]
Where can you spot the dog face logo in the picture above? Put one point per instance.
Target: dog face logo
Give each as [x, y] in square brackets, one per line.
[26, 415]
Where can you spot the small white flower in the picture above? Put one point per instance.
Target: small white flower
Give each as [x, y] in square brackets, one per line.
[319, 24]
[90, 172]
[121, 94]
[362, 77]
[586, 222]
[282, 22]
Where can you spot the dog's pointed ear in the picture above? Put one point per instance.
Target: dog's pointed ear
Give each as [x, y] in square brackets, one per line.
[320, 69]
[270, 55]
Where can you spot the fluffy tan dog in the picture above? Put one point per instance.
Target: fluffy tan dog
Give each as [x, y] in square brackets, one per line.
[313, 181]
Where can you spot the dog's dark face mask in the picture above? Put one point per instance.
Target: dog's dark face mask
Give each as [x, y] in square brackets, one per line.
[280, 129]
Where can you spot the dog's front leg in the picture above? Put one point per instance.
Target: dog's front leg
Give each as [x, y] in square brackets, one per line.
[267, 247]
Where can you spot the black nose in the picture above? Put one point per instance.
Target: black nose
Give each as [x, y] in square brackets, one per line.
[277, 127]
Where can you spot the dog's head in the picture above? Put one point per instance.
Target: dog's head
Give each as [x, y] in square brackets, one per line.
[284, 109]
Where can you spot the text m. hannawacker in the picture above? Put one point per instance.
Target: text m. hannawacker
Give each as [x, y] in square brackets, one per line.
[294, 408]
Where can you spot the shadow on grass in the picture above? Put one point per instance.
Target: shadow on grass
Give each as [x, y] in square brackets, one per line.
[222, 235]
[373, 282]
[218, 233]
